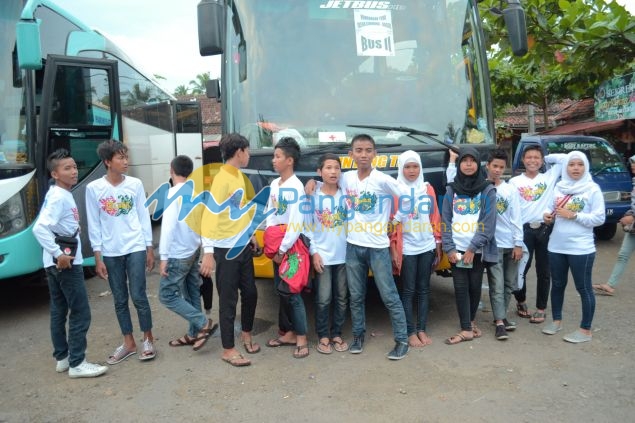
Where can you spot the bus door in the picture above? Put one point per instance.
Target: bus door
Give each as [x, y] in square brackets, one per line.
[80, 108]
[188, 131]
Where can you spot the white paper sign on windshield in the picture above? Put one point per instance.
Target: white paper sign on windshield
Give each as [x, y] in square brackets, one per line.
[373, 33]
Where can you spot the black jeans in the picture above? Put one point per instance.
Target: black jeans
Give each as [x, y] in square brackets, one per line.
[467, 291]
[207, 292]
[537, 246]
[231, 276]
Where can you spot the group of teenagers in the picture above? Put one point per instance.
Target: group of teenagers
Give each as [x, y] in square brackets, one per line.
[484, 223]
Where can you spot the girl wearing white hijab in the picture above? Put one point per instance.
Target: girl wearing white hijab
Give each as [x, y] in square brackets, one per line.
[578, 207]
[421, 245]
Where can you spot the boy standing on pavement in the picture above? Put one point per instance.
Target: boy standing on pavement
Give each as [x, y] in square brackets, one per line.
[221, 234]
[369, 194]
[179, 248]
[59, 216]
[121, 236]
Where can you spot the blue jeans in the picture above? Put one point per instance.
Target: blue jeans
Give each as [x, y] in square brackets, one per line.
[628, 246]
[467, 291]
[581, 267]
[180, 291]
[331, 288]
[68, 298]
[291, 306]
[358, 261]
[415, 279]
[129, 270]
[502, 279]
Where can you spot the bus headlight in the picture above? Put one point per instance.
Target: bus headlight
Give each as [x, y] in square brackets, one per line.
[14, 216]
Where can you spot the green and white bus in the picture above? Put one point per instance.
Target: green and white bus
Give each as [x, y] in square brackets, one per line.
[63, 84]
[411, 73]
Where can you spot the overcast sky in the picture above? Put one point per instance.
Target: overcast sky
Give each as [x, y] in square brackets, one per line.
[160, 36]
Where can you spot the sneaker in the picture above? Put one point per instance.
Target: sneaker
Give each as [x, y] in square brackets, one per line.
[62, 365]
[509, 326]
[358, 345]
[501, 333]
[552, 328]
[400, 351]
[577, 337]
[86, 369]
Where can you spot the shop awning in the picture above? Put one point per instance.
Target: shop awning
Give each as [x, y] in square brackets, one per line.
[585, 127]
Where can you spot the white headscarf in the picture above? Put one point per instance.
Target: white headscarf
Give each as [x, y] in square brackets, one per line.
[567, 185]
[418, 184]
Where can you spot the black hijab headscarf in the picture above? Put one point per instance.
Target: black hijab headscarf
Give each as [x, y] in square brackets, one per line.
[469, 185]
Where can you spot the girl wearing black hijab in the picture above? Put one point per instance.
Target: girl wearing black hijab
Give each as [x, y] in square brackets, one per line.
[468, 234]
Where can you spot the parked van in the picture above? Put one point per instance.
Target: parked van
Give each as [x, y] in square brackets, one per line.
[607, 168]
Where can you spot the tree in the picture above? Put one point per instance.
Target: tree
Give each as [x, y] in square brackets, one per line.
[573, 47]
[179, 91]
[199, 84]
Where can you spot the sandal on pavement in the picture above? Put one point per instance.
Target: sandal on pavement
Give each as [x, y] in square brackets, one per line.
[339, 344]
[522, 310]
[457, 339]
[476, 331]
[278, 342]
[324, 347]
[200, 340]
[298, 352]
[237, 360]
[603, 289]
[251, 347]
[183, 341]
[148, 351]
[120, 354]
[538, 317]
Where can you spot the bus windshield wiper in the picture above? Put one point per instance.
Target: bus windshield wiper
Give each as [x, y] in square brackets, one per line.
[409, 132]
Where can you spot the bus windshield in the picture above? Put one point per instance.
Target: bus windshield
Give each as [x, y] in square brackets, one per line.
[321, 72]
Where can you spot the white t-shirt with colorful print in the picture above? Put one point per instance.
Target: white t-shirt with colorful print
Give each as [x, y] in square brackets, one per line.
[326, 226]
[575, 236]
[286, 200]
[369, 203]
[535, 193]
[118, 221]
[509, 225]
[465, 216]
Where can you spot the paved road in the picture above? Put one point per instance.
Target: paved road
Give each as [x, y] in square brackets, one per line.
[531, 377]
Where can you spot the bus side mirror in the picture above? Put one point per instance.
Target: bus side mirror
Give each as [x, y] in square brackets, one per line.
[514, 16]
[211, 15]
[212, 89]
[27, 34]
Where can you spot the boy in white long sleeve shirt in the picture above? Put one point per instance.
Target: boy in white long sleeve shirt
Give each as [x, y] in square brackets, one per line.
[59, 216]
[121, 237]
[179, 249]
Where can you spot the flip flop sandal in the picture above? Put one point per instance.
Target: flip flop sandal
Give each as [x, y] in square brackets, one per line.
[148, 351]
[234, 360]
[522, 310]
[120, 354]
[277, 342]
[298, 354]
[324, 348]
[251, 347]
[538, 317]
[461, 337]
[477, 332]
[339, 345]
[183, 341]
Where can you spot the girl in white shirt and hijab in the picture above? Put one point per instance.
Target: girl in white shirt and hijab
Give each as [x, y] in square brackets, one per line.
[577, 207]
